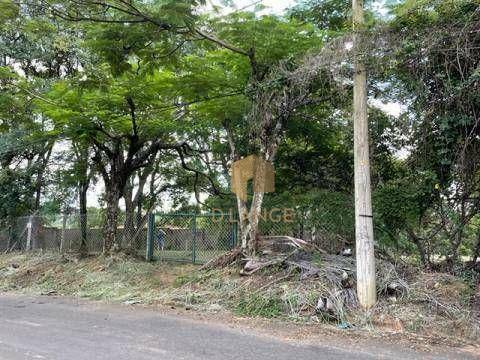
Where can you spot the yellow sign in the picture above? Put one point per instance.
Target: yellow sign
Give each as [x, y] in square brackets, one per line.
[256, 168]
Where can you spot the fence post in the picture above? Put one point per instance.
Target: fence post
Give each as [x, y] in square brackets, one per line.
[62, 238]
[28, 246]
[150, 236]
[194, 232]
[12, 242]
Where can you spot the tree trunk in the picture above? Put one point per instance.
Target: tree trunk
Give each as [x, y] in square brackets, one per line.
[129, 226]
[139, 210]
[134, 220]
[476, 253]
[456, 242]
[243, 222]
[83, 215]
[254, 216]
[366, 288]
[110, 228]
[249, 220]
[138, 200]
[424, 258]
[82, 153]
[40, 175]
[456, 237]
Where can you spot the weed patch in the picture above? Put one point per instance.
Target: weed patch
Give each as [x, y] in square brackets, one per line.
[259, 305]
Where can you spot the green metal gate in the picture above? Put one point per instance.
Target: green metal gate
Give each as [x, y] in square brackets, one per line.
[190, 237]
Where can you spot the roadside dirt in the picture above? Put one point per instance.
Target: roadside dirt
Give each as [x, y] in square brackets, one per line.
[315, 333]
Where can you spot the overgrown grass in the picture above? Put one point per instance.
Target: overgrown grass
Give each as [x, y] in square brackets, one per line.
[115, 279]
[262, 305]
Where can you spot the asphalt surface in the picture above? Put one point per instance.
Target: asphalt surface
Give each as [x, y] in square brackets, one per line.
[62, 328]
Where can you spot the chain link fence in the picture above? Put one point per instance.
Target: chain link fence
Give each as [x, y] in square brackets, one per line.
[187, 237]
[132, 233]
[72, 232]
[184, 237]
[200, 237]
[331, 231]
[194, 238]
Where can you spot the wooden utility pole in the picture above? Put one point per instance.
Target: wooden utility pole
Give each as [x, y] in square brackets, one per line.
[366, 289]
[64, 230]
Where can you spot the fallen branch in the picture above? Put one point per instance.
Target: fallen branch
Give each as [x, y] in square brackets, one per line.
[272, 244]
[307, 269]
[253, 265]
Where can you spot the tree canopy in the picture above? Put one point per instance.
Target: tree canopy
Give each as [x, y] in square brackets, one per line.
[154, 101]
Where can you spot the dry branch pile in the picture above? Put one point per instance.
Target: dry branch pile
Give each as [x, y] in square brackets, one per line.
[284, 257]
[291, 277]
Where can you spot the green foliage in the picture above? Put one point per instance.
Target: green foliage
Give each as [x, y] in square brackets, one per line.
[16, 191]
[96, 102]
[8, 10]
[401, 202]
[260, 305]
[326, 14]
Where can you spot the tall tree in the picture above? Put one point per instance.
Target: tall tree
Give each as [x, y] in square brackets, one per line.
[127, 120]
[436, 73]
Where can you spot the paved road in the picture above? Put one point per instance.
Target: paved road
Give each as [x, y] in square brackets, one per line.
[60, 328]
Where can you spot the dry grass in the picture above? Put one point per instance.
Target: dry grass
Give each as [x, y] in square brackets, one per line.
[116, 279]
